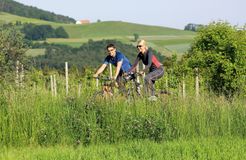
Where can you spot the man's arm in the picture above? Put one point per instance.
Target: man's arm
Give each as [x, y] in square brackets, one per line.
[118, 67]
[100, 70]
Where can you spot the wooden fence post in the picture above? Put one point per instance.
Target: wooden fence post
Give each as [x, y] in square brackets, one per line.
[52, 85]
[110, 70]
[54, 82]
[179, 88]
[166, 81]
[79, 89]
[22, 75]
[143, 69]
[183, 86]
[66, 73]
[17, 73]
[97, 83]
[197, 83]
[137, 75]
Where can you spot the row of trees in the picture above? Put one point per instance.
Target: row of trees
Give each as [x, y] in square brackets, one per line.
[192, 27]
[16, 8]
[41, 32]
[89, 54]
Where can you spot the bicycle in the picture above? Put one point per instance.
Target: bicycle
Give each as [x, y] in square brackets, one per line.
[130, 89]
[107, 88]
[133, 88]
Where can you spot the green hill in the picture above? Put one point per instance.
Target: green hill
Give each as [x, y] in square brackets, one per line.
[10, 18]
[164, 39]
[17, 8]
[103, 29]
[118, 28]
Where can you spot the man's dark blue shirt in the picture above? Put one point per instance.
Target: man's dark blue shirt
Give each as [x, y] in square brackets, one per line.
[119, 57]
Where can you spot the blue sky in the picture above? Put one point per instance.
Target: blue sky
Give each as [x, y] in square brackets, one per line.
[172, 13]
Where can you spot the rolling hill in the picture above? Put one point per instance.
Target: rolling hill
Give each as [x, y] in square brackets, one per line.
[164, 39]
[20, 9]
[10, 18]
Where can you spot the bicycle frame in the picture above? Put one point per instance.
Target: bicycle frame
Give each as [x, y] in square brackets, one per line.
[107, 85]
[134, 85]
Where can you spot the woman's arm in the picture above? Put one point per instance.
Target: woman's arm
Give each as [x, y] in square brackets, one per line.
[134, 65]
[149, 62]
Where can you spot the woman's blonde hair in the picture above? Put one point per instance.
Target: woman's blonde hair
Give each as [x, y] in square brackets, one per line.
[143, 43]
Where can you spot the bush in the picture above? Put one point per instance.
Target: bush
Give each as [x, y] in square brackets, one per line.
[219, 52]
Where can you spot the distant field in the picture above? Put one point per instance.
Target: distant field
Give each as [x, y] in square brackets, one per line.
[164, 44]
[178, 48]
[163, 39]
[109, 29]
[77, 42]
[179, 44]
[158, 37]
[35, 52]
[70, 41]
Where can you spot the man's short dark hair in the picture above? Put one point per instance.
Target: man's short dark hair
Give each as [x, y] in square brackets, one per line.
[110, 45]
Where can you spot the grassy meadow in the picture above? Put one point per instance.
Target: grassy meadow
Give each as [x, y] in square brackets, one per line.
[35, 125]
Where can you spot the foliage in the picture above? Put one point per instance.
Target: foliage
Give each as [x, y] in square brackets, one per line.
[12, 48]
[193, 27]
[90, 54]
[136, 36]
[17, 8]
[61, 33]
[219, 51]
[41, 32]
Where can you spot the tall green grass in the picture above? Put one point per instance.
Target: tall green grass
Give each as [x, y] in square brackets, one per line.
[203, 148]
[33, 117]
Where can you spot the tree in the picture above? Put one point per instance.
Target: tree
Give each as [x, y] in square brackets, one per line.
[61, 33]
[219, 51]
[41, 32]
[136, 36]
[192, 27]
[12, 48]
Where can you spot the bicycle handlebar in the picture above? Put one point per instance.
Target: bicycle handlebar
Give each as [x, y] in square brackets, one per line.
[131, 75]
[104, 78]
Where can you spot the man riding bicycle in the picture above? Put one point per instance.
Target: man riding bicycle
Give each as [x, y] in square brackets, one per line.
[119, 60]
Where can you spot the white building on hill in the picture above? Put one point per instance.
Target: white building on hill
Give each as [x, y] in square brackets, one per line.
[83, 21]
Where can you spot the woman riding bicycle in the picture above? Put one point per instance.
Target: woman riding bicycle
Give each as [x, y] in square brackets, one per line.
[152, 66]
